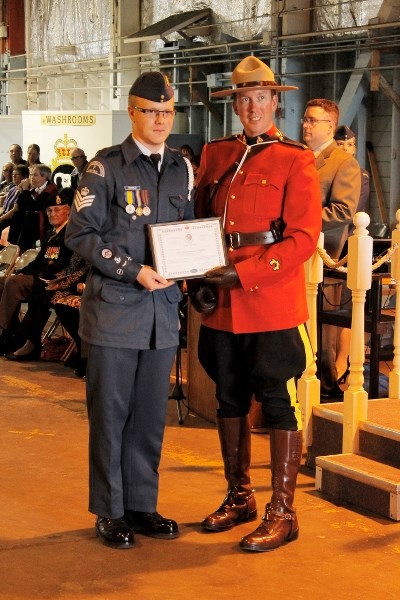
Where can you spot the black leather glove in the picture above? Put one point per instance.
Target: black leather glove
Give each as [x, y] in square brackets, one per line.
[224, 277]
[203, 299]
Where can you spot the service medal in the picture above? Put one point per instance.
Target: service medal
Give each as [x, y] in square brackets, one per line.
[130, 209]
[146, 211]
[139, 211]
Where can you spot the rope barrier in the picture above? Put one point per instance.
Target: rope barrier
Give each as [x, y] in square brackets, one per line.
[338, 264]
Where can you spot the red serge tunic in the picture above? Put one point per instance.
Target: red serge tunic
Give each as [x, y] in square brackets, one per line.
[251, 186]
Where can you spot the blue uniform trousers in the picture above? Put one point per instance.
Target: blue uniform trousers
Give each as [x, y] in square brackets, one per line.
[127, 395]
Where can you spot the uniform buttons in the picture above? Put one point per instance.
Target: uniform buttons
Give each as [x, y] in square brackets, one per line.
[233, 196]
[122, 298]
[240, 172]
[256, 287]
[231, 222]
[230, 249]
[251, 290]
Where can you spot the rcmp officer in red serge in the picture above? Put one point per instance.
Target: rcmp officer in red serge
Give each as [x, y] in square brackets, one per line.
[252, 338]
[129, 312]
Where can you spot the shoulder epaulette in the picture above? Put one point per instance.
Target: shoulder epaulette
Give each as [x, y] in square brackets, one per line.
[110, 150]
[290, 142]
[224, 139]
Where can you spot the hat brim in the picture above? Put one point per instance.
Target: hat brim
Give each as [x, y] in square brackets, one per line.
[230, 92]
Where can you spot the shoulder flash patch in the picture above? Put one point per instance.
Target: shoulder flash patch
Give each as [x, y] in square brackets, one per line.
[96, 168]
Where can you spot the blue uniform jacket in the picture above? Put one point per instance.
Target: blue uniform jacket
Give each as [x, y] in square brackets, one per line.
[118, 196]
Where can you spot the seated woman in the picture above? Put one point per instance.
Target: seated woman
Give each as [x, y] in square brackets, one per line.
[58, 291]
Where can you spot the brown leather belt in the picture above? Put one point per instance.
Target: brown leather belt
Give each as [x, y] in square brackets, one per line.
[235, 239]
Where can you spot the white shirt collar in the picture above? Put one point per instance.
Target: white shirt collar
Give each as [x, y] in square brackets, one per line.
[322, 147]
[146, 151]
[40, 189]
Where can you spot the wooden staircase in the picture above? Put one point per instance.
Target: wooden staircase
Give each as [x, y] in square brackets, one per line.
[370, 478]
[354, 445]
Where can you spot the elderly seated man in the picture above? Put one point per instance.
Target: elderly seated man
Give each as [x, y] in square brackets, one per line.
[32, 279]
[63, 290]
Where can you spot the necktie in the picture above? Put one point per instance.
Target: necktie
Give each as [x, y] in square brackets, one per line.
[155, 159]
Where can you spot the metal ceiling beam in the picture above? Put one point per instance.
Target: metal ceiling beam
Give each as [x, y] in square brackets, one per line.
[168, 25]
[353, 92]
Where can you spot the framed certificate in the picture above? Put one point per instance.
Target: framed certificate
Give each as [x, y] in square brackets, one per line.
[187, 249]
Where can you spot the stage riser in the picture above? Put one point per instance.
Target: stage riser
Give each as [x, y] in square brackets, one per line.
[380, 448]
[343, 489]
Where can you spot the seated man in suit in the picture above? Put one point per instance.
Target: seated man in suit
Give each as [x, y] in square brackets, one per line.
[29, 223]
[52, 258]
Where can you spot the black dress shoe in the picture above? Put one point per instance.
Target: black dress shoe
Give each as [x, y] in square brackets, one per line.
[80, 370]
[34, 355]
[152, 524]
[114, 532]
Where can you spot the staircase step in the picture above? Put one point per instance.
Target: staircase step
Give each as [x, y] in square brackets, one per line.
[379, 435]
[380, 442]
[361, 481]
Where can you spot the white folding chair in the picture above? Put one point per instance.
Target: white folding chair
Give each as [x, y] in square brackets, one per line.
[8, 256]
[26, 257]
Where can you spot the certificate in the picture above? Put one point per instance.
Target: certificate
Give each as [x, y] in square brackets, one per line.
[187, 249]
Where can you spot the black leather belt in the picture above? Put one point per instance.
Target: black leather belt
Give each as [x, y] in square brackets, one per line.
[235, 239]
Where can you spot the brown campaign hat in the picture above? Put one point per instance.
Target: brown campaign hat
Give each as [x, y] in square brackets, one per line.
[252, 74]
[152, 85]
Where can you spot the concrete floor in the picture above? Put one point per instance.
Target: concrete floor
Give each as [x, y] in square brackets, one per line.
[48, 549]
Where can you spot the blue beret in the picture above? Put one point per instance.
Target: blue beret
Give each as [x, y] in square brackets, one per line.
[152, 85]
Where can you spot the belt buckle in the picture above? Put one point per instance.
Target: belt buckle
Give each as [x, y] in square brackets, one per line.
[234, 240]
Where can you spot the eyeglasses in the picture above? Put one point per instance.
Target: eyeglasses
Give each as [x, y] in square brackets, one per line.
[153, 113]
[313, 122]
[79, 156]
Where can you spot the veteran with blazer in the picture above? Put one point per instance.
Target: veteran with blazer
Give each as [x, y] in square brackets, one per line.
[31, 280]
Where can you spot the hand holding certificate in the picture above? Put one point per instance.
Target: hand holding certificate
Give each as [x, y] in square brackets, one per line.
[187, 249]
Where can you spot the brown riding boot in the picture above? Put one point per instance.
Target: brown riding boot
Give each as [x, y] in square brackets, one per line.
[279, 525]
[239, 505]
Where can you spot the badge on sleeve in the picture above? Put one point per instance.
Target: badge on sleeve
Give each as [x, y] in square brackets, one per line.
[83, 198]
[275, 264]
[96, 168]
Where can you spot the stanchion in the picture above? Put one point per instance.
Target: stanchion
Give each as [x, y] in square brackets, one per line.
[177, 391]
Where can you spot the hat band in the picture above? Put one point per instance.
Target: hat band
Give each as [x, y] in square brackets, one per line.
[255, 83]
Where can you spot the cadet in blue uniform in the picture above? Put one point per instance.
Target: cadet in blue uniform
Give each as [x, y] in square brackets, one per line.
[129, 312]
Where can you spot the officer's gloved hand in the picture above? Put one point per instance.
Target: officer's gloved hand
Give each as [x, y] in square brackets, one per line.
[203, 299]
[224, 277]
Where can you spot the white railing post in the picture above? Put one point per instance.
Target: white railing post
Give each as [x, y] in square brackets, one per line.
[359, 279]
[394, 375]
[308, 387]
